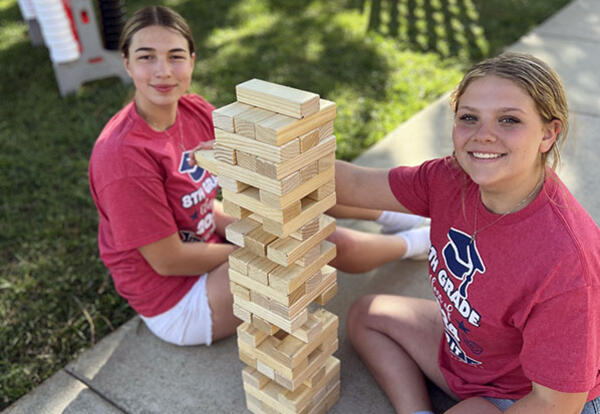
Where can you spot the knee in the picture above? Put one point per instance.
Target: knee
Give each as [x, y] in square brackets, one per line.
[357, 320]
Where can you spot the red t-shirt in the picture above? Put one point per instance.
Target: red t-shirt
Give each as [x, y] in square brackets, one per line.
[520, 304]
[144, 191]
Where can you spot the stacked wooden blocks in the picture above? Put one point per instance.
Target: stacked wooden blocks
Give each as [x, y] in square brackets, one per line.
[274, 154]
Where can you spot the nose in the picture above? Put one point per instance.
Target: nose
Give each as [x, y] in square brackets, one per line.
[485, 132]
[162, 69]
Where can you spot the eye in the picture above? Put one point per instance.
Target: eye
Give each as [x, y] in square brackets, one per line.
[144, 57]
[467, 117]
[178, 57]
[509, 120]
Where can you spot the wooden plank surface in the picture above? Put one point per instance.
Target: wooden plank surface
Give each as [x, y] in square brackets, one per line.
[279, 130]
[277, 98]
[223, 117]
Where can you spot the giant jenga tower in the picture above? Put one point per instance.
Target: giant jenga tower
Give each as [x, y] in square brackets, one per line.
[274, 155]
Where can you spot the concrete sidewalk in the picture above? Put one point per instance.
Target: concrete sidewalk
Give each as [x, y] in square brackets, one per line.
[133, 372]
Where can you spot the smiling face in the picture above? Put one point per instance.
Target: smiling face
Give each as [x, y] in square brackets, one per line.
[499, 137]
[161, 66]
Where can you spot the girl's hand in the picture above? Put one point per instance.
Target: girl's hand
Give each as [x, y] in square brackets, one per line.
[204, 145]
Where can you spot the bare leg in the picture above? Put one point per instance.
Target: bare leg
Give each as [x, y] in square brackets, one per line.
[359, 252]
[406, 333]
[220, 301]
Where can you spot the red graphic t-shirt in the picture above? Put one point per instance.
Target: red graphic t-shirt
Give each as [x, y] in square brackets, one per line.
[519, 303]
[145, 190]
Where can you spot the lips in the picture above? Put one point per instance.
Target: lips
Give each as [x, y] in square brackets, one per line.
[163, 88]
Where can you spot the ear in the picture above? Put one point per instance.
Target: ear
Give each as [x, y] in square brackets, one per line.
[193, 60]
[551, 131]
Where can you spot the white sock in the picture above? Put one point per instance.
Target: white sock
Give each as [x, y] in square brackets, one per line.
[417, 242]
[394, 221]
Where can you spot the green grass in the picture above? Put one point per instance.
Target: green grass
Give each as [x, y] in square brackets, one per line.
[381, 61]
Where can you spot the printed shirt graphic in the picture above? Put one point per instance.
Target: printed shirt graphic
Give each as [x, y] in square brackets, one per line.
[145, 190]
[511, 306]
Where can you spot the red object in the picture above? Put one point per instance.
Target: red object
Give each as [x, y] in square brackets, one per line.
[84, 17]
[96, 59]
[67, 7]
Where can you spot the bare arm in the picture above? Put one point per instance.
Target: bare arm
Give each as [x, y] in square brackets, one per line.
[364, 187]
[172, 257]
[548, 401]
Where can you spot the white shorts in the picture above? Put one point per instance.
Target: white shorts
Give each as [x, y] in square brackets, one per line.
[188, 322]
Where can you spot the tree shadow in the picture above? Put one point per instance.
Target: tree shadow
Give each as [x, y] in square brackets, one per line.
[449, 28]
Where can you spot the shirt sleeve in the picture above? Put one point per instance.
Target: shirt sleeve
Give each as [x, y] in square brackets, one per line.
[561, 341]
[137, 211]
[410, 186]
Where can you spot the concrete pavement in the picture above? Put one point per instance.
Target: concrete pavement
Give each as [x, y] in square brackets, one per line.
[133, 372]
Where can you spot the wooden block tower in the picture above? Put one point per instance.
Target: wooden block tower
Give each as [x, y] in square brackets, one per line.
[274, 155]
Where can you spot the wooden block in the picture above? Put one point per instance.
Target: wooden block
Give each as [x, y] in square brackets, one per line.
[327, 295]
[286, 251]
[311, 328]
[309, 257]
[250, 334]
[253, 404]
[326, 162]
[247, 359]
[240, 291]
[253, 377]
[259, 269]
[246, 160]
[292, 305]
[277, 98]
[309, 140]
[278, 130]
[323, 192]
[244, 122]
[206, 159]
[263, 326]
[309, 171]
[288, 279]
[241, 313]
[288, 325]
[250, 200]
[313, 282]
[315, 378]
[235, 210]
[231, 184]
[267, 152]
[260, 300]
[307, 230]
[235, 232]
[302, 400]
[257, 241]
[326, 130]
[223, 117]
[310, 210]
[239, 260]
[283, 169]
[304, 189]
[225, 154]
[265, 369]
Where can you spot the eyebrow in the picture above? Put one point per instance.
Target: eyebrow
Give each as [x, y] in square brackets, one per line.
[151, 49]
[507, 109]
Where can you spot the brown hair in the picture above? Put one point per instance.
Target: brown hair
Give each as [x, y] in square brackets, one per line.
[154, 16]
[536, 78]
